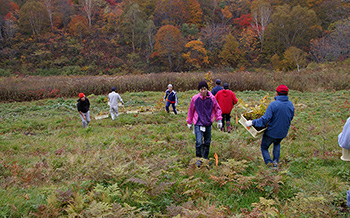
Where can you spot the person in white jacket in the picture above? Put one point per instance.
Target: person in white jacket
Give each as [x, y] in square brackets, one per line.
[113, 99]
[344, 137]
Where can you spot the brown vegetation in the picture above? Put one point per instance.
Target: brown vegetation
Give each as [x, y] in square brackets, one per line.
[322, 77]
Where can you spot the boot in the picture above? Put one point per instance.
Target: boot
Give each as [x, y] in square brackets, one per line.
[228, 127]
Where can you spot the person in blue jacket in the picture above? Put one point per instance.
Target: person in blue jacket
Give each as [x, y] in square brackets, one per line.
[217, 88]
[170, 98]
[277, 118]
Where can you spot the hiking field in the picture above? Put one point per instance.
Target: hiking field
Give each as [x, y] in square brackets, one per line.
[142, 164]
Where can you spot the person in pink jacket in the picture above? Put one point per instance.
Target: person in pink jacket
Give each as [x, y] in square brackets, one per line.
[201, 112]
[226, 99]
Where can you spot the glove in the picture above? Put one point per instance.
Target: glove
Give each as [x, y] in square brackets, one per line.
[189, 126]
[249, 123]
[175, 104]
[219, 124]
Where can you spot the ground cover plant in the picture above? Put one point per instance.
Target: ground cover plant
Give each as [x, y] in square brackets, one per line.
[141, 165]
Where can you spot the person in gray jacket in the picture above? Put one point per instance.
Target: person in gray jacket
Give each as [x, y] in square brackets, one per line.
[113, 99]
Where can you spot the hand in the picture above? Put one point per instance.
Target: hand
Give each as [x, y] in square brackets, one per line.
[189, 126]
[84, 117]
[175, 104]
[219, 124]
[249, 123]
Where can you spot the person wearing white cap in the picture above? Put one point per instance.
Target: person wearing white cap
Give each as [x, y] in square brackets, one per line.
[171, 99]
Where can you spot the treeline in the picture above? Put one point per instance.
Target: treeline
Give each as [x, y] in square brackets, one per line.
[108, 37]
[320, 78]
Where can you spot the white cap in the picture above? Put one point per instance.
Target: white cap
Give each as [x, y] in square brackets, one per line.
[170, 85]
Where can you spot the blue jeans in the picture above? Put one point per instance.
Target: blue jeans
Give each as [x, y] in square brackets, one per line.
[265, 144]
[202, 149]
[167, 107]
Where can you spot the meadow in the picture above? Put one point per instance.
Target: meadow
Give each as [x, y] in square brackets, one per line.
[142, 164]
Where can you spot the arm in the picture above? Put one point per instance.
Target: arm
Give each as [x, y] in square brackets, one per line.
[175, 98]
[120, 99]
[191, 111]
[234, 100]
[217, 110]
[264, 120]
[344, 136]
[166, 95]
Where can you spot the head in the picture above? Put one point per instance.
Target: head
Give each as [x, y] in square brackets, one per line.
[203, 88]
[82, 96]
[113, 89]
[282, 90]
[170, 87]
[225, 85]
[218, 82]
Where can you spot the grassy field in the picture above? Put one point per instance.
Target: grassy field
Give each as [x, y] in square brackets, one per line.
[141, 165]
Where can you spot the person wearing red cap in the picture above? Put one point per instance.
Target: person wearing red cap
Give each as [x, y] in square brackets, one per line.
[277, 118]
[83, 107]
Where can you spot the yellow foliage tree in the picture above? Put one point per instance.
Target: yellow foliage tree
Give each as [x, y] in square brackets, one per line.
[196, 55]
[230, 54]
[294, 57]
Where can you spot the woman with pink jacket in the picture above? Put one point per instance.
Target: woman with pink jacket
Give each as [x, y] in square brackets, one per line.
[202, 110]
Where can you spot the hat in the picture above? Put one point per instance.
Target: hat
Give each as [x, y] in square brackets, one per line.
[282, 90]
[218, 81]
[225, 85]
[170, 85]
[202, 84]
[81, 95]
[113, 88]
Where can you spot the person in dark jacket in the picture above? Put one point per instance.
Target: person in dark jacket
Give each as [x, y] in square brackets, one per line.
[217, 88]
[171, 99]
[83, 107]
[277, 117]
[203, 108]
[226, 99]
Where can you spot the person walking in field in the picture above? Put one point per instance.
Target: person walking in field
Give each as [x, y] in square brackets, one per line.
[83, 107]
[171, 99]
[226, 99]
[217, 88]
[203, 108]
[277, 117]
[113, 99]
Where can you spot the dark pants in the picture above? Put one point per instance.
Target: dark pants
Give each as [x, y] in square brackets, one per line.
[265, 144]
[225, 118]
[202, 149]
[167, 107]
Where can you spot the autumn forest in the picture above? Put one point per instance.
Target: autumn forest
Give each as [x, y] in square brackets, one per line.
[107, 37]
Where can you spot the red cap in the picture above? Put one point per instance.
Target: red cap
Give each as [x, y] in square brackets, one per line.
[81, 95]
[282, 89]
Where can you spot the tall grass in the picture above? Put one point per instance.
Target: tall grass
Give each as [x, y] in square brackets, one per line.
[322, 77]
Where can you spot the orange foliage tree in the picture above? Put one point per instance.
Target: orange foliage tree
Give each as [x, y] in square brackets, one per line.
[195, 12]
[78, 26]
[196, 55]
[169, 44]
